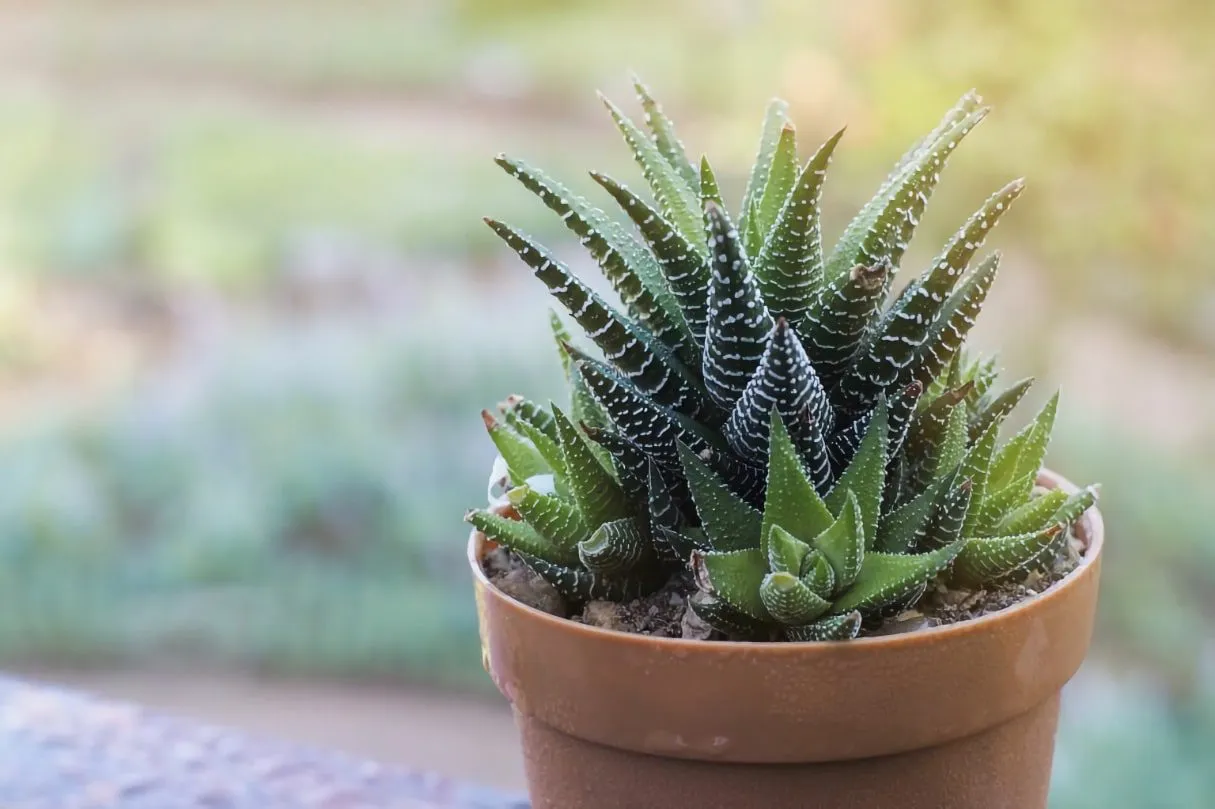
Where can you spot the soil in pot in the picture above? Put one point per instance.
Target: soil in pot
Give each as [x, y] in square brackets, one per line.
[665, 613]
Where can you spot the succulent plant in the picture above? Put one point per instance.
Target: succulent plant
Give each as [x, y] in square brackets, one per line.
[759, 417]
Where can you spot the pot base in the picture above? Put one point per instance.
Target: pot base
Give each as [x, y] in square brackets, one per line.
[1004, 767]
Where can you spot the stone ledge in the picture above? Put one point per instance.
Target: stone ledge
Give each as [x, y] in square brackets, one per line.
[60, 750]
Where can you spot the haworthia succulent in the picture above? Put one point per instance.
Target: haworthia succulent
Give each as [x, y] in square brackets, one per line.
[556, 519]
[679, 203]
[774, 123]
[626, 264]
[888, 578]
[729, 522]
[884, 226]
[520, 537]
[782, 174]
[953, 324]
[784, 382]
[789, 267]
[635, 352]
[840, 316]
[792, 502]
[739, 323]
[614, 548]
[685, 268]
[663, 132]
[989, 559]
[758, 423]
[833, 627]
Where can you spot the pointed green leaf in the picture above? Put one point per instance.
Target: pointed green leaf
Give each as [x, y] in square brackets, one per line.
[597, 494]
[678, 202]
[908, 324]
[953, 324]
[884, 226]
[843, 543]
[1023, 454]
[1034, 515]
[840, 316]
[786, 553]
[952, 450]
[984, 560]
[522, 458]
[524, 417]
[562, 338]
[774, 122]
[904, 528]
[520, 537]
[977, 469]
[614, 548]
[789, 601]
[663, 511]
[818, 574]
[866, 476]
[683, 265]
[946, 525]
[665, 139]
[998, 503]
[640, 357]
[626, 264]
[831, 628]
[710, 191]
[653, 428]
[784, 382]
[887, 579]
[1075, 505]
[735, 577]
[739, 323]
[782, 174]
[790, 265]
[728, 521]
[791, 502]
[579, 585]
[557, 520]
[993, 410]
[1033, 454]
[624, 458]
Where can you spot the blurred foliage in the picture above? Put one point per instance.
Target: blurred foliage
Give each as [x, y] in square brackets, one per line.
[1097, 102]
[1149, 751]
[293, 506]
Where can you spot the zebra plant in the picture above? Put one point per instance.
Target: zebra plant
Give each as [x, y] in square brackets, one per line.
[759, 416]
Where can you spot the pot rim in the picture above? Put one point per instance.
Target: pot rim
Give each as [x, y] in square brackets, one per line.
[1090, 526]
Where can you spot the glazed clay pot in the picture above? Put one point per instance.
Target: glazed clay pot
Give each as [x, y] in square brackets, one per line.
[952, 717]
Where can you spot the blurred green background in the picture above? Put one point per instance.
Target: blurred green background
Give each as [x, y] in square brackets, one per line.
[248, 313]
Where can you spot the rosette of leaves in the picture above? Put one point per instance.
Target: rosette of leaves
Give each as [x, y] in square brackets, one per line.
[573, 523]
[809, 567]
[726, 329]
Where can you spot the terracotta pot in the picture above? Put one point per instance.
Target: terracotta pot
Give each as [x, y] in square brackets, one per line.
[952, 717]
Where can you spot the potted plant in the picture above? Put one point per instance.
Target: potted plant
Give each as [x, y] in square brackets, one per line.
[774, 552]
